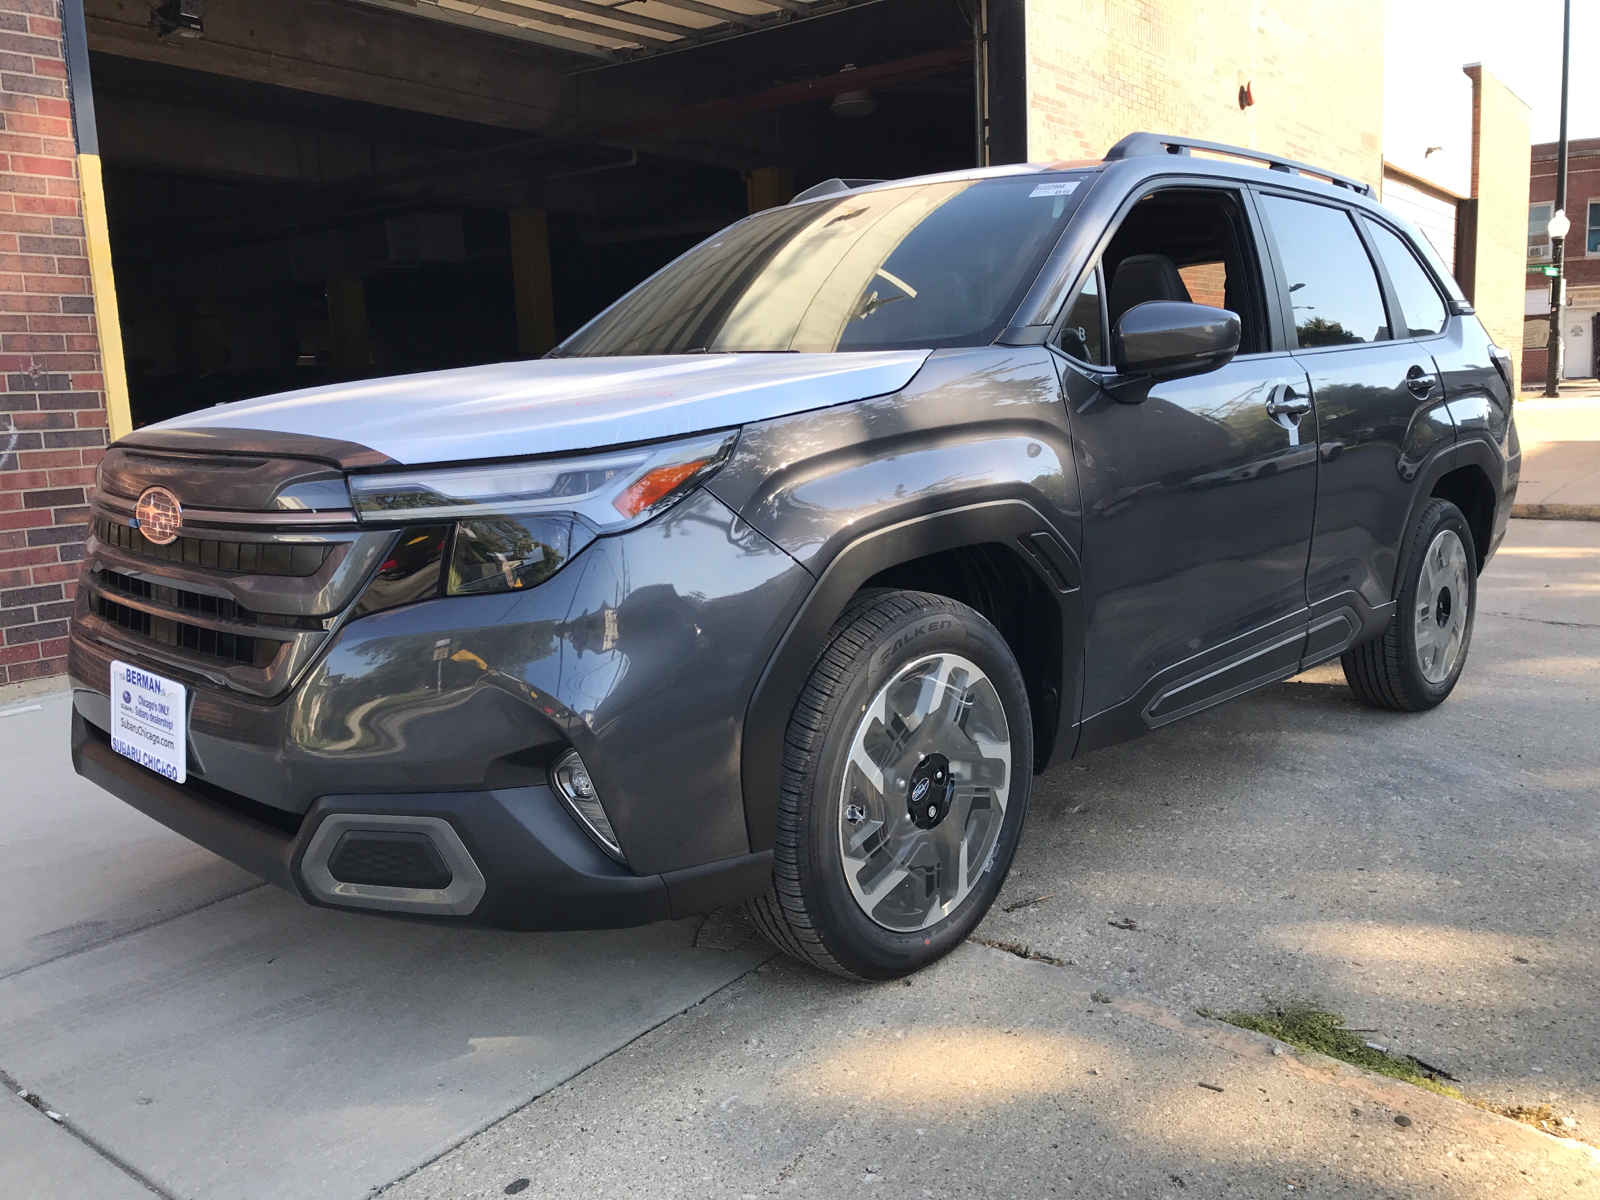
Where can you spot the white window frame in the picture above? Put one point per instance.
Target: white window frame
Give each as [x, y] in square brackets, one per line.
[1549, 210]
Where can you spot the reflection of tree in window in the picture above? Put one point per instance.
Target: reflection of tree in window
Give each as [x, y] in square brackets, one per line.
[1319, 331]
[1332, 283]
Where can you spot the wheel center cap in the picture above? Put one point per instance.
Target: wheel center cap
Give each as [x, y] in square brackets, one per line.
[1441, 607]
[928, 793]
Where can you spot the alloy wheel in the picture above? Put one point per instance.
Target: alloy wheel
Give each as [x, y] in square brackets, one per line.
[1442, 607]
[924, 792]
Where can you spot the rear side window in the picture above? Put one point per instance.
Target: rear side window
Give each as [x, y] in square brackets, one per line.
[1423, 311]
[1332, 286]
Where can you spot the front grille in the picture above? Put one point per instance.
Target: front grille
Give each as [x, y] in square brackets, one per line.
[199, 603]
[208, 643]
[249, 558]
[246, 608]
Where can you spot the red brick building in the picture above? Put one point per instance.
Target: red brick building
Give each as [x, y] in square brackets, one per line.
[52, 409]
[1580, 325]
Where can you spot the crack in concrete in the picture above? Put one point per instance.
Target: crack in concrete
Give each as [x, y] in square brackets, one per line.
[1540, 620]
[129, 932]
[531, 1100]
[33, 1099]
[1380, 1089]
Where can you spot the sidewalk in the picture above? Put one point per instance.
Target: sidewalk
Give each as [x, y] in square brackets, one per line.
[1560, 453]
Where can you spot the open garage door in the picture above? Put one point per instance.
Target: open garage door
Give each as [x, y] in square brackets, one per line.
[307, 191]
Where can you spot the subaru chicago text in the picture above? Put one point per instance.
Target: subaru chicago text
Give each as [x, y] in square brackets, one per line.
[780, 580]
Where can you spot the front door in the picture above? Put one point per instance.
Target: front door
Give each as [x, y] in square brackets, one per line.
[1199, 498]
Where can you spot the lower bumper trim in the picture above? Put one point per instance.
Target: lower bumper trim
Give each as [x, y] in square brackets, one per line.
[258, 848]
[526, 863]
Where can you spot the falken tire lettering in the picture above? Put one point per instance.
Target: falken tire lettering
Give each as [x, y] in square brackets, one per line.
[905, 639]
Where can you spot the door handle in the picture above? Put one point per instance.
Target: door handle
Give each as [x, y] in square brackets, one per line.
[1420, 382]
[1286, 402]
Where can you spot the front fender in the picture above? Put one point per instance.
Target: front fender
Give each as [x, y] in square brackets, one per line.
[975, 451]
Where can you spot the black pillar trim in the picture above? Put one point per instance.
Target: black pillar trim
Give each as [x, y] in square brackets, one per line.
[1008, 82]
[75, 44]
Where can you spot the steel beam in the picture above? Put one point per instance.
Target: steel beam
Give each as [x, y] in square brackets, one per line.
[565, 20]
[687, 32]
[721, 14]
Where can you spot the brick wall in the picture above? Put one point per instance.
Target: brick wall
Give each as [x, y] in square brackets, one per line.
[52, 408]
[1582, 269]
[1099, 69]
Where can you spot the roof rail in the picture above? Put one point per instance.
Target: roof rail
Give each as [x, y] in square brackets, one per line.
[1138, 144]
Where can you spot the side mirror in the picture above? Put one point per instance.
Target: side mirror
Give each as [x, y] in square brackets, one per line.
[1166, 339]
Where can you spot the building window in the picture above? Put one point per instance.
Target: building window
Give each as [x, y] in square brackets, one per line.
[1592, 242]
[1539, 230]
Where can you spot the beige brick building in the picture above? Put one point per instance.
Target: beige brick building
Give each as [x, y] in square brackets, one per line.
[1313, 70]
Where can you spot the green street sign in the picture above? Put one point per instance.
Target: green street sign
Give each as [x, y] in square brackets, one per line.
[1550, 271]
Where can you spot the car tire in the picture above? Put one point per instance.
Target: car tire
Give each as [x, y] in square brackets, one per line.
[1416, 663]
[913, 695]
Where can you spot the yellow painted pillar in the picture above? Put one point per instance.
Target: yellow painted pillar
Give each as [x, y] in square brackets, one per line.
[530, 275]
[769, 187]
[108, 323]
[347, 321]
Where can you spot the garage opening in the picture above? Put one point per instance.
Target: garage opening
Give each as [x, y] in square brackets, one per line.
[303, 192]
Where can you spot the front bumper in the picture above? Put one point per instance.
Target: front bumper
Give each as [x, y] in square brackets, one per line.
[539, 870]
[641, 654]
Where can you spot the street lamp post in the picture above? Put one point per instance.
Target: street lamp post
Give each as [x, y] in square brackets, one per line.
[1559, 224]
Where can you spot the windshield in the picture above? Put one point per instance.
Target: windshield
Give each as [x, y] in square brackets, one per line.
[918, 267]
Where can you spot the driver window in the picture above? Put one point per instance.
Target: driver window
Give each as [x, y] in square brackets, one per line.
[1187, 245]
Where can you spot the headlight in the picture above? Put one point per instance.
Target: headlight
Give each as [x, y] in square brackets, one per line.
[610, 491]
[519, 523]
[508, 553]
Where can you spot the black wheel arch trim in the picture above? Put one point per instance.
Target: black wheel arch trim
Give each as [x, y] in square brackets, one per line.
[1471, 450]
[1009, 522]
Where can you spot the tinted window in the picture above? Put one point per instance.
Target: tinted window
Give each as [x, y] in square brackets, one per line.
[1080, 334]
[936, 264]
[1331, 283]
[1424, 311]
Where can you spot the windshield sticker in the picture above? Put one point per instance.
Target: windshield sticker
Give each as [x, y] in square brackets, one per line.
[1054, 189]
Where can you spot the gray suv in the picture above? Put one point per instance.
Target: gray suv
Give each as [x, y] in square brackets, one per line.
[780, 580]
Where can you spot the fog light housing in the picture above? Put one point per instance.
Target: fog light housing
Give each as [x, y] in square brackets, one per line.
[570, 779]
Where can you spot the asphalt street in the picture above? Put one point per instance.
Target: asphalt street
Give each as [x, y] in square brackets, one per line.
[1431, 877]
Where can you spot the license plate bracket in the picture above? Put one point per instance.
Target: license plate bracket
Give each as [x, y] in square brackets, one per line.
[150, 720]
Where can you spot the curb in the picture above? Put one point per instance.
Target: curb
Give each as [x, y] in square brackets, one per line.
[1557, 512]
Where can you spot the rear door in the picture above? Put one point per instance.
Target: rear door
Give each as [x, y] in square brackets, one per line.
[1378, 401]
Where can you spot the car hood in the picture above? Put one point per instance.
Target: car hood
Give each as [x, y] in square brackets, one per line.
[551, 405]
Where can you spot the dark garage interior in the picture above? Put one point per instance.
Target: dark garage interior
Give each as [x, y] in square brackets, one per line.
[303, 192]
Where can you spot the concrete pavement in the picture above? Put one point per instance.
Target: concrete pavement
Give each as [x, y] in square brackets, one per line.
[1432, 877]
[986, 1077]
[1560, 454]
[217, 1038]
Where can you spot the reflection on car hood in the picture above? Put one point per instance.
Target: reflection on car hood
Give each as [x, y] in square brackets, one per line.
[556, 404]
